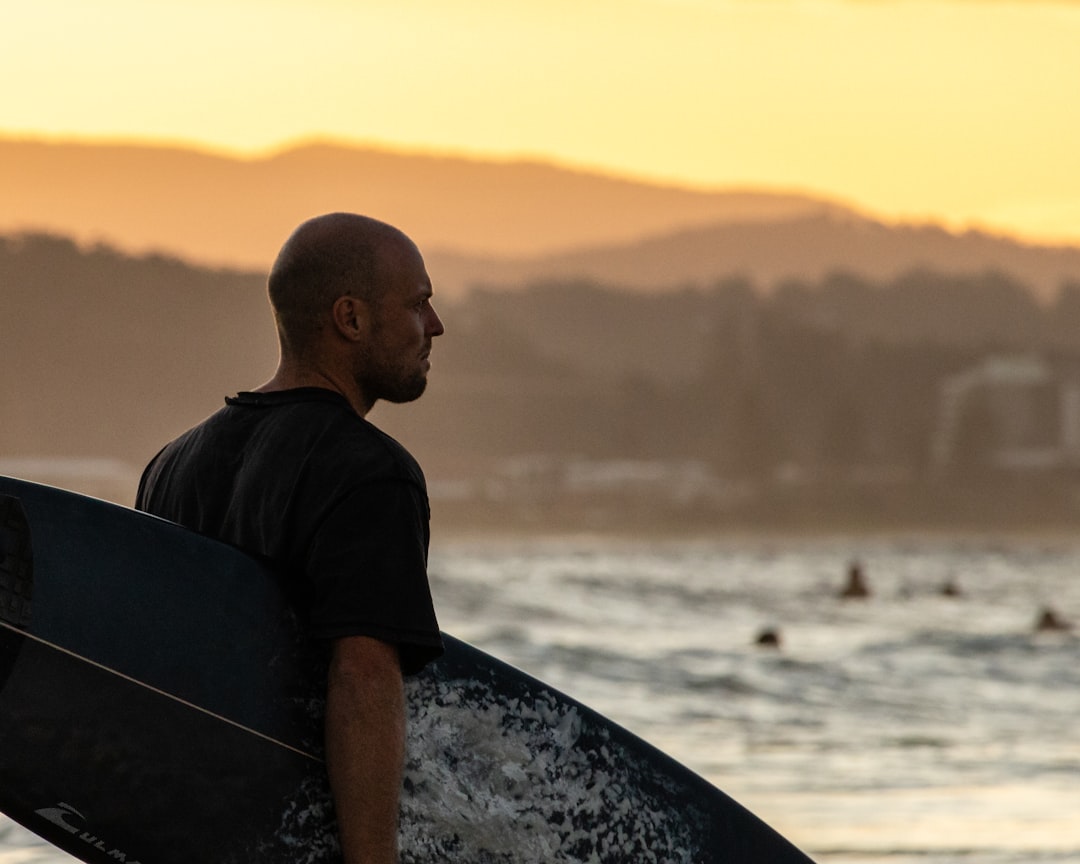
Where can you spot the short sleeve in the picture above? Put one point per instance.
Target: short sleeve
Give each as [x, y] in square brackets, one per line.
[367, 571]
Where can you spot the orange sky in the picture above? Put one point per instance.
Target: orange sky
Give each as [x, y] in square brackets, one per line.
[963, 111]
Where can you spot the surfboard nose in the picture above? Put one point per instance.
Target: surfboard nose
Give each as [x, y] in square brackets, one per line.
[16, 564]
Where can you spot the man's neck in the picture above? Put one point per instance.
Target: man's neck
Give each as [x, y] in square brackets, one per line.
[289, 378]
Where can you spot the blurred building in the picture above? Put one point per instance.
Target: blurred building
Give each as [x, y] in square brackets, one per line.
[1012, 412]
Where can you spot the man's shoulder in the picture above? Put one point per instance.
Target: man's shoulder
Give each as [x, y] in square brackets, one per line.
[271, 441]
[321, 428]
[363, 450]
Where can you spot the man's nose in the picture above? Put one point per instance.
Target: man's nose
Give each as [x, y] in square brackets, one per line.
[435, 325]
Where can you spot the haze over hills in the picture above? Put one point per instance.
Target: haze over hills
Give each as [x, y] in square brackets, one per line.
[221, 210]
[479, 223]
[801, 248]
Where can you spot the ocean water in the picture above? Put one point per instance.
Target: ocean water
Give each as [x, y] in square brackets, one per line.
[905, 727]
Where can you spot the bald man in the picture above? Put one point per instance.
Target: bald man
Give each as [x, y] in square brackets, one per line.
[293, 473]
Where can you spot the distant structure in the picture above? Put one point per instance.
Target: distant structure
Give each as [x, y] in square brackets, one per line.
[1013, 412]
[856, 586]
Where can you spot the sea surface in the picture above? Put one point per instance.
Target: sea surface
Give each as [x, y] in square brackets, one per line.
[909, 726]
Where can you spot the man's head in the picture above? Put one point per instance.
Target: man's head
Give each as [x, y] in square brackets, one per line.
[351, 296]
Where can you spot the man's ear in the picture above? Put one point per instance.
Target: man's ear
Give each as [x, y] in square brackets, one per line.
[351, 317]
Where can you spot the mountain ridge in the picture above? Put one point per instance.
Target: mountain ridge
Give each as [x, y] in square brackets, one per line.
[143, 198]
[496, 223]
[805, 248]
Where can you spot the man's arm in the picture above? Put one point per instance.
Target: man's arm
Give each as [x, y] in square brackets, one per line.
[365, 746]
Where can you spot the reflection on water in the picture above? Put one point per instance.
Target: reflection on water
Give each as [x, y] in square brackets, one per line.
[19, 846]
[916, 723]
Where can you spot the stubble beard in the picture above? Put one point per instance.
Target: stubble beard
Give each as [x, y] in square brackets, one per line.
[396, 383]
[393, 379]
[406, 389]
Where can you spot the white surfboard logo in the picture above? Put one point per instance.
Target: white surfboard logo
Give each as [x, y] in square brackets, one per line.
[59, 815]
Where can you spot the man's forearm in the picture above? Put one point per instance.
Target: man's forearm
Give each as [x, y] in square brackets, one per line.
[365, 747]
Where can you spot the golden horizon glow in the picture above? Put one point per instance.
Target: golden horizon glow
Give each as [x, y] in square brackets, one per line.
[955, 111]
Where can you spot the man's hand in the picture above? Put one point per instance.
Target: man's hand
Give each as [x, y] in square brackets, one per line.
[365, 747]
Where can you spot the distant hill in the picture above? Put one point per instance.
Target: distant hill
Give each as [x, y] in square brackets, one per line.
[217, 210]
[803, 248]
[107, 355]
[503, 224]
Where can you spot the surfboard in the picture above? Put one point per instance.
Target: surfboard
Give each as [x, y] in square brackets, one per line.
[159, 703]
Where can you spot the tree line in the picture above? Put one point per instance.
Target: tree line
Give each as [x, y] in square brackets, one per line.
[106, 354]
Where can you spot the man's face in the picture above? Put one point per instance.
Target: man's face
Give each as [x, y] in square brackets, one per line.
[395, 359]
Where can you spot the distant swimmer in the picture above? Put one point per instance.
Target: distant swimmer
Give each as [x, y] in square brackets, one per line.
[856, 584]
[1050, 621]
[768, 638]
[951, 588]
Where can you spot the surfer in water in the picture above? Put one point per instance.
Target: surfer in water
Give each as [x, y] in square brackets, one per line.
[293, 473]
[1050, 622]
[856, 587]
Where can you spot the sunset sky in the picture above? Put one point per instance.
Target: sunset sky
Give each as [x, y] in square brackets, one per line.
[962, 111]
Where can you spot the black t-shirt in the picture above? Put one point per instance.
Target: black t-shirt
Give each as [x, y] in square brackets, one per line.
[339, 508]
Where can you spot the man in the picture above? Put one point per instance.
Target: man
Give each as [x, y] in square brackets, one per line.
[293, 473]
